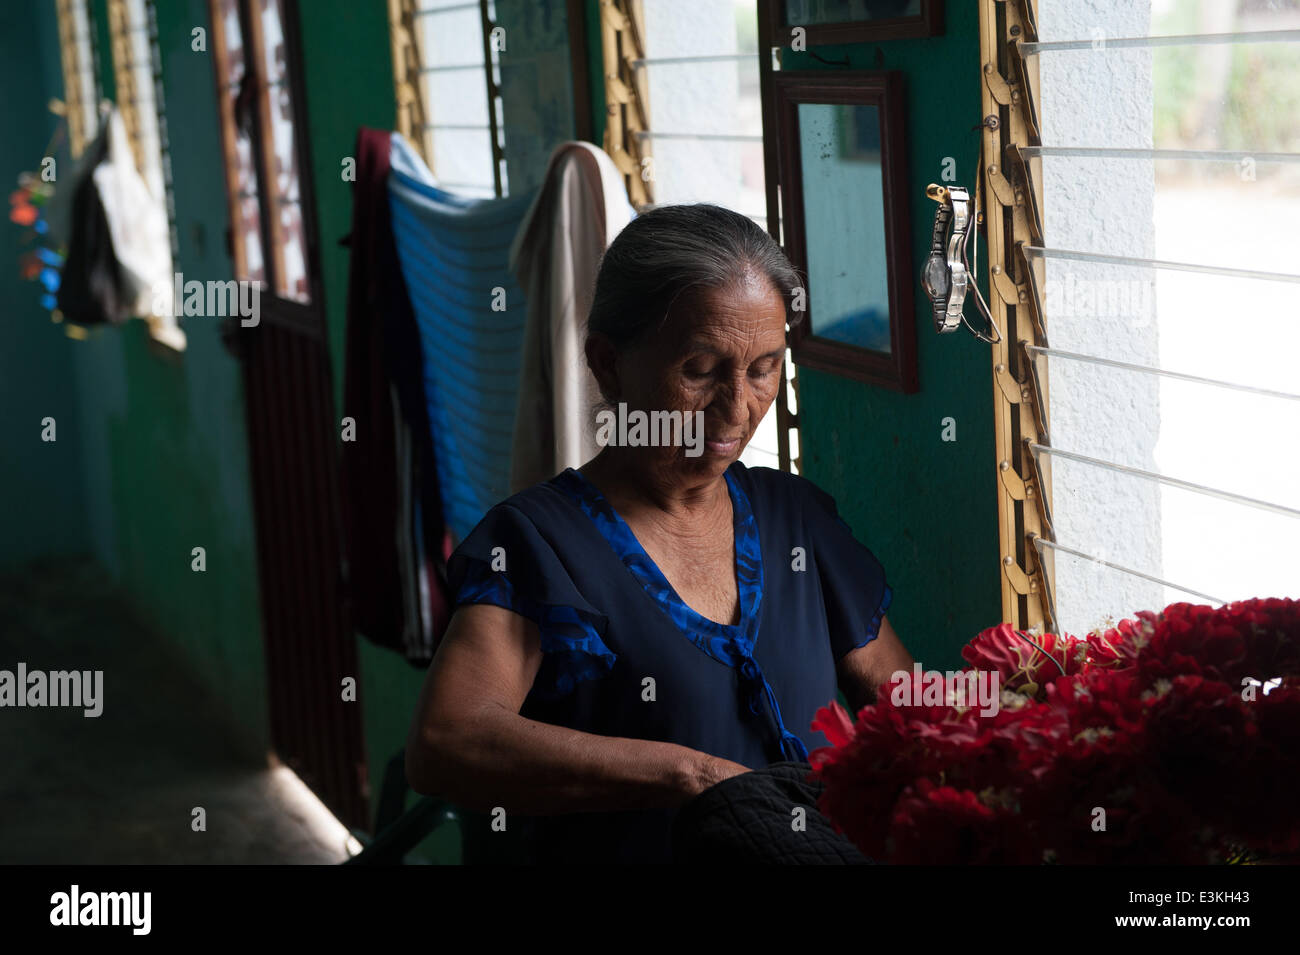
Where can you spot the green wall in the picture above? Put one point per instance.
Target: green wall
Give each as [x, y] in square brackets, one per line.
[163, 464]
[348, 74]
[40, 481]
[926, 507]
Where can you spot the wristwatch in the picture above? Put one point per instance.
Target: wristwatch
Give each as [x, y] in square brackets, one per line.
[944, 276]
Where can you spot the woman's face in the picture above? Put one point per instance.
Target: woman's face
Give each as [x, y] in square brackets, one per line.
[719, 354]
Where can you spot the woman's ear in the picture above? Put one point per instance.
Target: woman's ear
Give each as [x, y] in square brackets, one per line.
[602, 359]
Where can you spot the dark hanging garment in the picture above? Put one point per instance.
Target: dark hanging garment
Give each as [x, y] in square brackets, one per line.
[92, 290]
[396, 544]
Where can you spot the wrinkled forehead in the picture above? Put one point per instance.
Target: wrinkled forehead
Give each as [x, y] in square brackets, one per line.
[750, 308]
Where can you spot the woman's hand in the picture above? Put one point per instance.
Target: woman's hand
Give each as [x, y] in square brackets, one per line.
[711, 771]
[469, 743]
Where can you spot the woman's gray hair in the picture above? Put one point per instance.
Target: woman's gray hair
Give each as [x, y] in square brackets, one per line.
[667, 250]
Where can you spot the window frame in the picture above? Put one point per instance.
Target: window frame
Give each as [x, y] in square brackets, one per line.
[305, 317]
[929, 22]
[164, 328]
[414, 114]
[1014, 180]
[79, 78]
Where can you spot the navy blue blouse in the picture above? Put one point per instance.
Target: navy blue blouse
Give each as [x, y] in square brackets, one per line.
[610, 623]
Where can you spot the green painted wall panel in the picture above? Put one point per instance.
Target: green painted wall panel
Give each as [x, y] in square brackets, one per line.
[926, 507]
[161, 435]
[348, 74]
[40, 482]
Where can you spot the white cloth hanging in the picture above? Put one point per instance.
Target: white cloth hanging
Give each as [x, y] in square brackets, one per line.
[137, 224]
[581, 206]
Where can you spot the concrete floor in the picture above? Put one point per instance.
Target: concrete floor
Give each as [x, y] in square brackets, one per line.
[120, 788]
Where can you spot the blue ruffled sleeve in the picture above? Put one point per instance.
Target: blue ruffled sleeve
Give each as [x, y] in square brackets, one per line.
[853, 583]
[505, 562]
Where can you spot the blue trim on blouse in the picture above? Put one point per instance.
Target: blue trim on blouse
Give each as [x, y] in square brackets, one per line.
[873, 628]
[729, 644]
[565, 632]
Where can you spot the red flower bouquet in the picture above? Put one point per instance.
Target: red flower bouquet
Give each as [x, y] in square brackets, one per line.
[1170, 738]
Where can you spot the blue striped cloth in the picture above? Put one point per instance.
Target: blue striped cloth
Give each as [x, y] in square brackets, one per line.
[454, 252]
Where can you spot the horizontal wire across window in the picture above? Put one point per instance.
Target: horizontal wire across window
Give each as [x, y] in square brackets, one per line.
[453, 68]
[720, 137]
[1101, 43]
[453, 8]
[699, 58]
[1151, 370]
[1166, 479]
[1103, 259]
[1041, 542]
[1176, 124]
[1122, 152]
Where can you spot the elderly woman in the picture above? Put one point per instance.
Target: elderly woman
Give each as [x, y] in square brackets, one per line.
[632, 632]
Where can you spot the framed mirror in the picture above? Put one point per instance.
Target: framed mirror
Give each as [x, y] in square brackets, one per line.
[853, 21]
[841, 160]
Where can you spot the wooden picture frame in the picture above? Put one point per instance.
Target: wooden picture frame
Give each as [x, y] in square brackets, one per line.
[925, 23]
[896, 368]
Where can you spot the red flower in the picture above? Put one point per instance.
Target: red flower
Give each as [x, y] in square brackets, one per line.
[1270, 768]
[1272, 629]
[1100, 707]
[835, 722]
[1194, 639]
[1133, 746]
[1118, 647]
[937, 825]
[1197, 737]
[1025, 662]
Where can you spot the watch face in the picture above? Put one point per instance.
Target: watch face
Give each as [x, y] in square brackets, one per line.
[935, 278]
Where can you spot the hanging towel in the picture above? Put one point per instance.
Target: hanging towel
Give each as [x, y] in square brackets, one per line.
[137, 222]
[92, 287]
[455, 255]
[392, 514]
[581, 206]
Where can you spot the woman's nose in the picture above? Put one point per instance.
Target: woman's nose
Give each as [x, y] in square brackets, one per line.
[731, 400]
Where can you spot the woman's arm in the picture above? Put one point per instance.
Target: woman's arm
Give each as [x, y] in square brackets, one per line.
[469, 744]
[863, 671]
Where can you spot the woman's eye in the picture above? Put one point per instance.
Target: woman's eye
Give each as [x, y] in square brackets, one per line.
[695, 372]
